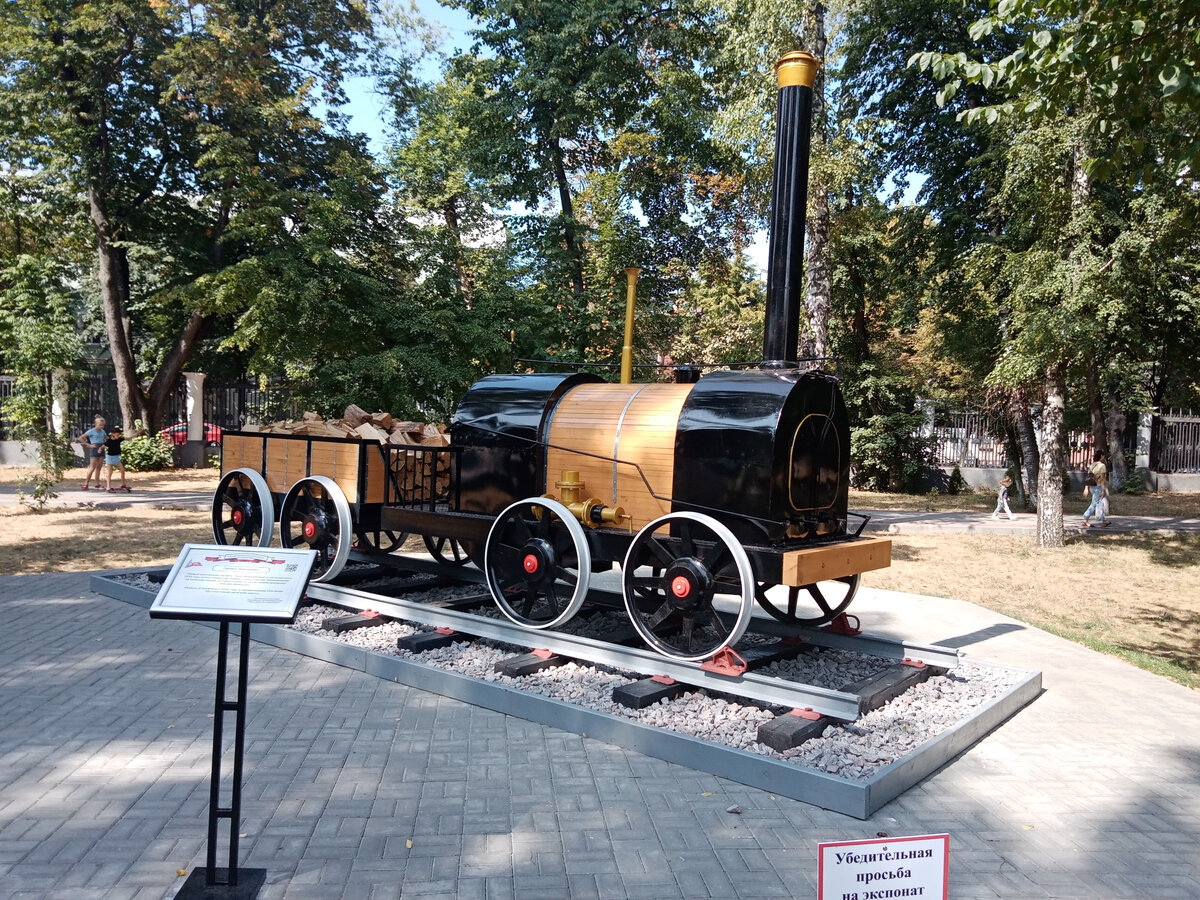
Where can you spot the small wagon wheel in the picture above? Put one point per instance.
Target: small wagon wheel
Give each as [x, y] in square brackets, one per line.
[382, 541]
[243, 512]
[675, 584]
[448, 551]
[316, 516]
[826, 600]
[537, 563]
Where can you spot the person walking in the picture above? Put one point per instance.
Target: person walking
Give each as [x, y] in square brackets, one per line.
[93, 450]
[1095, 483]
[1002, 499]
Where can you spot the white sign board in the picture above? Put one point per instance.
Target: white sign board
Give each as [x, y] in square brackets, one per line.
[886, 868]
[248, 584]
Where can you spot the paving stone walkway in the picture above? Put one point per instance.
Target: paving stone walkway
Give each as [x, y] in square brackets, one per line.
[1091, 792]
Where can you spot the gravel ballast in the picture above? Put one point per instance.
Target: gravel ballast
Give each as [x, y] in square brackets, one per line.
[853, 751]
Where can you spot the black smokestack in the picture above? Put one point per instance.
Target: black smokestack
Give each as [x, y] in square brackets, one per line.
[795, 72]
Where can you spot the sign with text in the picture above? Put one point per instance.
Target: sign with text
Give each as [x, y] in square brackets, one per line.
[250, 584]
[885, 869]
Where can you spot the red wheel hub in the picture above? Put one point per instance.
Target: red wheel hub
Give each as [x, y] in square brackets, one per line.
[237, 517]
[530, 563]
[680, 586]
[310, 529]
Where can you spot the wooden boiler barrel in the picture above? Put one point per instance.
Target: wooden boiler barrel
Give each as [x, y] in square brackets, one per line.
[624, 424]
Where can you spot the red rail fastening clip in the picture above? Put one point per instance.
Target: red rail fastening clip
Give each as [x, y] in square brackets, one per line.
[663, 679]
[541, 653]
[370, 614]
[725, 662]
[840, 624]
[806, 713]
[915, 663]
[444, 630]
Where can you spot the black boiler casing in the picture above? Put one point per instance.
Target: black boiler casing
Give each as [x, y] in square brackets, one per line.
[770, 448]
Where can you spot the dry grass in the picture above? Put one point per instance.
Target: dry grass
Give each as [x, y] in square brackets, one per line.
[167, 480]
[1133, 595]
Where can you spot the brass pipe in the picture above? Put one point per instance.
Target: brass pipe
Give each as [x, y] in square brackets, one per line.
[631, 276]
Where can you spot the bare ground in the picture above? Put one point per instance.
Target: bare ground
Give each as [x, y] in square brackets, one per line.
[1134, 595]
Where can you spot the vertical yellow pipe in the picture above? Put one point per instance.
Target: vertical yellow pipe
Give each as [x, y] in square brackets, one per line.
[631, 276]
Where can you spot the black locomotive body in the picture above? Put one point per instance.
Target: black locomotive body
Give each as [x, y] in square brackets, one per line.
[711, 496]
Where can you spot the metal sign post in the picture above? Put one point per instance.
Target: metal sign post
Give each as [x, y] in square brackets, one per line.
[215, 582]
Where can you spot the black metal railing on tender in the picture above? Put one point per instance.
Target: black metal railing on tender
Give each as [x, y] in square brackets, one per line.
[421, 476]
[1175, 443]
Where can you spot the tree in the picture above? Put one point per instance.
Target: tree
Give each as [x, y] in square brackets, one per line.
[1132, 66]
[188, 137]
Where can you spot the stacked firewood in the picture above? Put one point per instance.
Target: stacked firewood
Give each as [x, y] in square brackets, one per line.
[415, 470]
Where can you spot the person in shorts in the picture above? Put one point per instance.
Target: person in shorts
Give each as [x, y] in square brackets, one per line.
[93, 450]
[112, 459]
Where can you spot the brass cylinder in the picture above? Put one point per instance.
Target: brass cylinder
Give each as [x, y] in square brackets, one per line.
[796, 68]
[631, 276]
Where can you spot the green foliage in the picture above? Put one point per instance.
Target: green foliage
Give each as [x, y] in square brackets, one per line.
[958, 484]
[147, 453]
[1133, 63]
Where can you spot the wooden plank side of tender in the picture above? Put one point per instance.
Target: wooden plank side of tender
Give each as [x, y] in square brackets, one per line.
[824, 563]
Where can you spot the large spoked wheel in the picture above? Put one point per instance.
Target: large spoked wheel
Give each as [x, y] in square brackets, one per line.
[243, 513]
[537, 563]
[316, 516]
[675, 582]
[381, 541]
[447, 551]
[811, 605]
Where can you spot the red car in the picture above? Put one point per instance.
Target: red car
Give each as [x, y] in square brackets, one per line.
[177, 434]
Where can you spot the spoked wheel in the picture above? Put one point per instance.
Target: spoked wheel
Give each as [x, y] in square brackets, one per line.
[382, 541]
[447, 551]
[812, 604]
[316, 516]
[675, 583]
[243, 512]
[537, 563]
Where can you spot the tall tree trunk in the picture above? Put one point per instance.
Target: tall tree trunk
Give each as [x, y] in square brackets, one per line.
[818, 275]
[1053, 452]
[570, 239]
[112, 274]
[1028, 441]
[465, 281]
[1116, 422]
[1095, 408]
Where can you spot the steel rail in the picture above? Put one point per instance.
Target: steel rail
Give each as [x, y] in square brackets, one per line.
[750, 685]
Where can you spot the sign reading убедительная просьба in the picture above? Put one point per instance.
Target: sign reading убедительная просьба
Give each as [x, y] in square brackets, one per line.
[885, 869]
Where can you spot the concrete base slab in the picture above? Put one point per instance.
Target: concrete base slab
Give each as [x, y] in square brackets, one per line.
[858, 797]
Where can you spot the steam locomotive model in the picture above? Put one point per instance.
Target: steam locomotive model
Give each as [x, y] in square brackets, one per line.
[711, 494]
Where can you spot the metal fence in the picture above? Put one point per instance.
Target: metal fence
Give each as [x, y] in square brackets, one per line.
[8, 384]
[233, 404]
[1175, 443]
[975, 439]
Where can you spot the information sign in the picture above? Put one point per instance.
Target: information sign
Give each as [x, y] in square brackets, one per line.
[246, 584]
[886, 868]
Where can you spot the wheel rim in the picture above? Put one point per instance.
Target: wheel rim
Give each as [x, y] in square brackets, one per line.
[825, 601]
[532, 546]
[447, 551]
[316, 516]
[243, 511]
[675, 585]
[382, 541]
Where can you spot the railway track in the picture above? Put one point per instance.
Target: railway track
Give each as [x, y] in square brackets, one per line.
[750, 676]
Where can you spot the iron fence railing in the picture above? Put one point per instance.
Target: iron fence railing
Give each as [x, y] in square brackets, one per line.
[1175, 443]
[975, 439]
[8, 384]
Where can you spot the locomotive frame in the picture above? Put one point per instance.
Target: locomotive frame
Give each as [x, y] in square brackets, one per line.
[719, 494]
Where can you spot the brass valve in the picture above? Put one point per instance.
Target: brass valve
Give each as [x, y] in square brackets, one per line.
[591, 512]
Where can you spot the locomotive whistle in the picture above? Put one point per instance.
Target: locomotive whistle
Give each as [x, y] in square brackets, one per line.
[631, 276]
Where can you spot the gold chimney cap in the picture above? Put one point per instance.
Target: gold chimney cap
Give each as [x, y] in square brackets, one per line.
[799, 67]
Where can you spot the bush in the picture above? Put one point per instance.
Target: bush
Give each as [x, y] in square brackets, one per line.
[146, 453]
[887, 453]
[958, 484]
